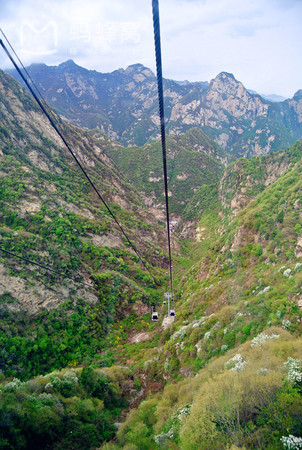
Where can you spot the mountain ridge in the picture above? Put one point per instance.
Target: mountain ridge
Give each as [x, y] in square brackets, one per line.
[123, 103]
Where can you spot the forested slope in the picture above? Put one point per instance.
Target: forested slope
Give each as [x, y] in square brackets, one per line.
[226, 373]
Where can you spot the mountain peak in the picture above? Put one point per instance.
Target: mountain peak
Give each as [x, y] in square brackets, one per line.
[139, 69]
[226, 76]
[298, 95]
[69, 64]
[226, 83]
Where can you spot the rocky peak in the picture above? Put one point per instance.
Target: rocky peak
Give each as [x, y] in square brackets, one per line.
[296, 104]
[139, 69]
[298, 95]
[225, 93]
[226, 83]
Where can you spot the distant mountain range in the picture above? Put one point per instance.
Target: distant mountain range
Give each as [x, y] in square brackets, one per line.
[124, 105]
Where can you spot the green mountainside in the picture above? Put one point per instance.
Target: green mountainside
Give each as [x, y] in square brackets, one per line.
[87, 368]
[232, 358]
[49, 214]
[192, 160]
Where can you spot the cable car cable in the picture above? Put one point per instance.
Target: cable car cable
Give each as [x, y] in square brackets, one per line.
[45, 267]
[73, 155]
[156, 28]
[24, 68]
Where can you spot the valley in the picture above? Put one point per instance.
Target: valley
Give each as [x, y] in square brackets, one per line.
[86, 367]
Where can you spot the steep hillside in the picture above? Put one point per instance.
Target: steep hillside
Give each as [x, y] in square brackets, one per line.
[124, 105]
[236, 338]
[248, 398]
[49, 214]
[241, 181]
[193, 160]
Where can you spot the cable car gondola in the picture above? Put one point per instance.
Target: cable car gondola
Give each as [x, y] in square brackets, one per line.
[155, 316]
[172, 313]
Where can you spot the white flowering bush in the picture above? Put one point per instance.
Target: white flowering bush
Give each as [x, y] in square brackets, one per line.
[228, 262]
[217, 326]
[200, 322]
[45, 396]
[67, 385]
[291, 442]
[207, 335]
[180, 334]
[69, 375]
[235, 364]
[12, 385]
[264, 291]
[294, 370]
[286, 324]
[262, 337]
[287, 273]
[166, 365]
[224, 348]
[161, 438]
[182, 412]
[49, 400]
[48, 387]
[177, 417]
[298, 267]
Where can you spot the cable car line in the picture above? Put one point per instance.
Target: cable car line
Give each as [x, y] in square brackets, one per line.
[73, 155]
[45, 267]
[24, 68]
[156, 28]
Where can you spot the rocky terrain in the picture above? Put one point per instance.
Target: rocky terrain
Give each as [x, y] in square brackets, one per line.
[124, 105]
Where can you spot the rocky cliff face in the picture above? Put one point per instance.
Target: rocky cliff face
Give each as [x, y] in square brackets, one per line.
[240, 183]
[243, 180]
[124, 105]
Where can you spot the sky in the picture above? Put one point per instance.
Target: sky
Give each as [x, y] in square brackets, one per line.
[259, 41]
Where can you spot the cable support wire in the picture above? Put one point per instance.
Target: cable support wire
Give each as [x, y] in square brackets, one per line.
[25, 70]
[49, 269]
[156, 28]
[73, 155]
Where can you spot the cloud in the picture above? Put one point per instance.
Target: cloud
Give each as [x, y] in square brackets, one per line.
[257, 41]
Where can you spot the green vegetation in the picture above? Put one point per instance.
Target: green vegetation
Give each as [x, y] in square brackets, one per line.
[246, 399]
[68, 409]
[49, 214]
[193, 160]
[73, 360]
[65, 336]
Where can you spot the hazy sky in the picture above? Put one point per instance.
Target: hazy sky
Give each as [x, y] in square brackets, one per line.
[259, 41]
